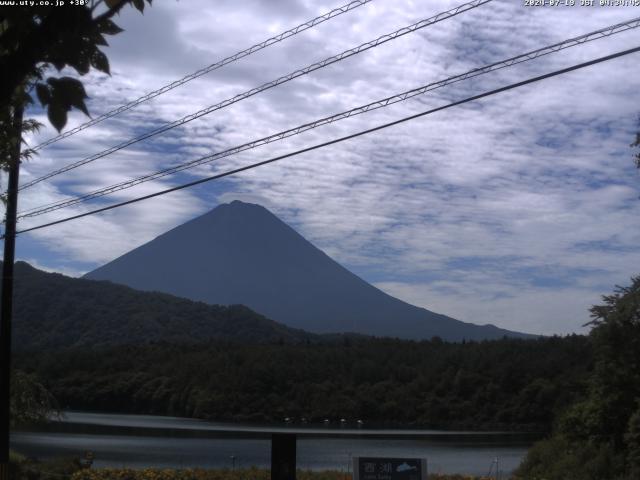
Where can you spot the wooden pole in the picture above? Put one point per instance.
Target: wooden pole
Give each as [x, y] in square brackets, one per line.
[283, 456]
[6, 301]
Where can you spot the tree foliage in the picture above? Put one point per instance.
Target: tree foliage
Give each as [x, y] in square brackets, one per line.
[30, 401]
[52, 311]
[505, 384]
[632, 443]
[102, 346]
[603, 427]
[38, 40]
[636, 144]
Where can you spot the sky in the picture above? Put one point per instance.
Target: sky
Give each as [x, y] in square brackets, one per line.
[519, 210]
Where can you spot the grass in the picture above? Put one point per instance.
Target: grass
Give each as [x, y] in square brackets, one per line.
[23, 468]
[239, 474]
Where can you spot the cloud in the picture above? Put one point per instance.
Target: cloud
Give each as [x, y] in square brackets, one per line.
[540, 311]
[518, 210]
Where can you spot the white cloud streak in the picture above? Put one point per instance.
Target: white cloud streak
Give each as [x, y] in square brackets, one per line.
[517, 210]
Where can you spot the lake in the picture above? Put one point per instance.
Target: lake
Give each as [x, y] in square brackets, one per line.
[139, 441]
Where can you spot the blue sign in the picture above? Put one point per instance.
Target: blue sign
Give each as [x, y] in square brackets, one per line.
[376, 468]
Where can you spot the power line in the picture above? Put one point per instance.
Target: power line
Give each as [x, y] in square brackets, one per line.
[341, 139]
[214, 66]
[266, 86]
[531, 55]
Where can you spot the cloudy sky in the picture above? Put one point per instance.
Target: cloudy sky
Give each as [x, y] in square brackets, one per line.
[518, 210]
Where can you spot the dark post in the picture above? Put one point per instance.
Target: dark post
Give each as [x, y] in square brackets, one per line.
[7, 292]
[283, 456]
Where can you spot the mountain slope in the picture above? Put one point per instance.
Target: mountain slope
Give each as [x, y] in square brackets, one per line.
[241, 253]
[54, 311]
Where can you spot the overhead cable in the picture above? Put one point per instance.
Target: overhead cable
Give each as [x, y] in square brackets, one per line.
[337, 140]
[528, 56]
[266, 86]
[214, 66]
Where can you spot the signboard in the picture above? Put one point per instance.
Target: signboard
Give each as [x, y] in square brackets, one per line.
[376, 468]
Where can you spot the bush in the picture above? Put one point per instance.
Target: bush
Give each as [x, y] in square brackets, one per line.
[557, 458]
[22, 468]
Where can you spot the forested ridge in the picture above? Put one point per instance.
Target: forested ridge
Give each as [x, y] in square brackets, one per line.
[52, 311]
[504, 384]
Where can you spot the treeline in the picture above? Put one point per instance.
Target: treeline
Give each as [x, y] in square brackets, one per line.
[504, 384]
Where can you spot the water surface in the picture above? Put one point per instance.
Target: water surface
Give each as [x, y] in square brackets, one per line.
[139, 441]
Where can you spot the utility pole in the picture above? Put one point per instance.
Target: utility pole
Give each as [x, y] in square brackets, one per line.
[7, 287]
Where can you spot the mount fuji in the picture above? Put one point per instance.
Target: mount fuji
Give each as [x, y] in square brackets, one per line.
[240, 253]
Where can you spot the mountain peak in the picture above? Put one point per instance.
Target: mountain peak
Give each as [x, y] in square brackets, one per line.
[237, 210]
[240, 253]
[239, 205]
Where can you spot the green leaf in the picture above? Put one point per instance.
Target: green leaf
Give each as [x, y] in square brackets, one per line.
[99, 61]
[58, 63]
[44, 94]
[68, 92]
[98, 39]
[113, 3]
[57, 116]
[107, 27]
[139, 4]
[82, 63]
[31, 125]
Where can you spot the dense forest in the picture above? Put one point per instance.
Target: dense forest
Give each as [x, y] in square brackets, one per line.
[503, 384]
[54, 311]
[584, 391]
